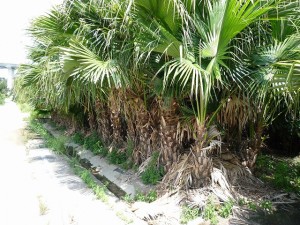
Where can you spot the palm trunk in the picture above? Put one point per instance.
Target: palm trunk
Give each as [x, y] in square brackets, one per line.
[255, 145]
[168, 135]
[92, 120]
[103, 121]
[115, 117]
[202, 164]
[140, 128]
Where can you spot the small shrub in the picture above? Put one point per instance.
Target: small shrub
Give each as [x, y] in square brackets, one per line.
[242, 202]
[128, 164]
[188, 214]
[78, 138]
[152, 174]
[92, 142]
[117, 157]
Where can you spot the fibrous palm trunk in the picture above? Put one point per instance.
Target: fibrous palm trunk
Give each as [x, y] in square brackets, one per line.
[92, 120]
[256, 143]
[103, 121]
[115, 117]
[170, 145]
[140, 128]
[202, 164]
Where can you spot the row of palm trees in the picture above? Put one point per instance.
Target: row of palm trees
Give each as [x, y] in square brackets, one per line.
[182, 77]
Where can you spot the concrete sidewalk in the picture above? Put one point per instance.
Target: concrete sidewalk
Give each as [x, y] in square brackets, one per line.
[38, 186]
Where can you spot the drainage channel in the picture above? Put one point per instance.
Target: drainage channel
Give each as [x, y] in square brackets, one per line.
[85, 163]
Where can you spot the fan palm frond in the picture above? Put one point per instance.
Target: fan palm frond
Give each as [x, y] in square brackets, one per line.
[85, 65]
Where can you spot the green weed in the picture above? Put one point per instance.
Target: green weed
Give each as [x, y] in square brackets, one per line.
[57, 144]
[280, 173]
[117, 157]
[210, 212]
[266, 206]
[92, 142]
[188, 214]
[100, 193]
[226, 210]
[78, 138]
[151, 196]
[127, 198]
[128, 164]
[252, 206]
[152, 174]
[87, 177]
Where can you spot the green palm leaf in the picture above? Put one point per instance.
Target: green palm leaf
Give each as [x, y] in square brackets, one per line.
[85, 65]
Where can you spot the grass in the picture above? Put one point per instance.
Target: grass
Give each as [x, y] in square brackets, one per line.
[265, 205]
[281, 173]
[93, 143]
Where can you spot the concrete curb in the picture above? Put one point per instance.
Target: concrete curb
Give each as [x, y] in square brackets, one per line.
[101, 169]
[127, 181]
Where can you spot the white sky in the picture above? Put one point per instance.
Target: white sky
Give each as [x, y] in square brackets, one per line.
[15, 16]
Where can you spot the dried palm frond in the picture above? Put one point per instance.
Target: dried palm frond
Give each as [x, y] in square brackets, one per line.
[165, 207]
[189, 171]
[236, 112]
[197, 197]
[220, 185]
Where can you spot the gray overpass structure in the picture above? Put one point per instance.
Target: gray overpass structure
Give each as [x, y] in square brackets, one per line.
[11, 71]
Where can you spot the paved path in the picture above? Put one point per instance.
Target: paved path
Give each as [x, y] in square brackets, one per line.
[38, 187]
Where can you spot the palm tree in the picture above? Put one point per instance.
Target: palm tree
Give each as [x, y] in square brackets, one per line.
[163, 74]
[199, 49]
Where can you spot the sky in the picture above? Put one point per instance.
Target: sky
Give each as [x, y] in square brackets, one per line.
[15, 17]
